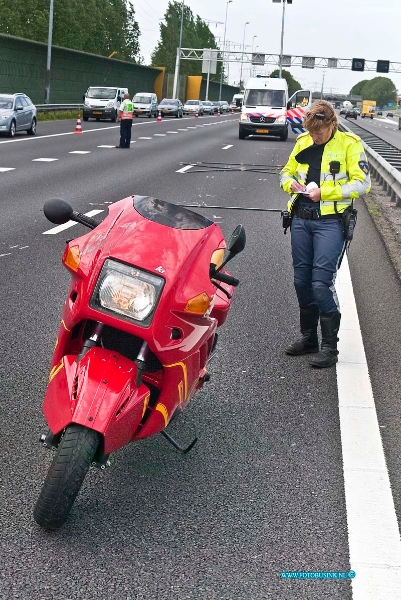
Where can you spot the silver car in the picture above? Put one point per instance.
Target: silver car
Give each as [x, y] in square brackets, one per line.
[192, 107]
[17, 113]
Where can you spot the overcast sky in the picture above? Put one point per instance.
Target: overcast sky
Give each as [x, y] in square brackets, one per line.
[338, 28]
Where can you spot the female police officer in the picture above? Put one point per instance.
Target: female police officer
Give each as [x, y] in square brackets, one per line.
[336, 163]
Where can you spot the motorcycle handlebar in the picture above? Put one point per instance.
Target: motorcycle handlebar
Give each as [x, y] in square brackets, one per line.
[229, 279]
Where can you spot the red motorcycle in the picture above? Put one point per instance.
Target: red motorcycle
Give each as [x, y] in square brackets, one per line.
[148, 292]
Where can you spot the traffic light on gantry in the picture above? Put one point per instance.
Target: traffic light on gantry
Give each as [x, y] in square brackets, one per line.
[383, 66]
[358, 64]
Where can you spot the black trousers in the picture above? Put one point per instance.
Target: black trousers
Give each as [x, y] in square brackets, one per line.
[125, 133]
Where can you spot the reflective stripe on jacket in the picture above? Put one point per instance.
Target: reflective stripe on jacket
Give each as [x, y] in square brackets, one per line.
[127, 108]
[352, 181]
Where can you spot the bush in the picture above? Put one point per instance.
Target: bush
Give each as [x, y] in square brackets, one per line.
[57, 115]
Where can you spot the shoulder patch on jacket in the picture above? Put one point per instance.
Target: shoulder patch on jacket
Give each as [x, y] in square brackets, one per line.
[302, 134]
[364, 166]
[352, 135]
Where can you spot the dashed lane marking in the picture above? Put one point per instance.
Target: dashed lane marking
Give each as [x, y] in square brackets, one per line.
[44, 159]
[5, 169]
[227, 147]
[172, 132]
[159, 135]
[80, 152]
[69, 224]
[106, 146]
[184, 169]
[144, 138]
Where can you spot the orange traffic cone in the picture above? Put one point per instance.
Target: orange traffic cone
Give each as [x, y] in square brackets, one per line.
[159, 117]
[196, 115]
[78, 126]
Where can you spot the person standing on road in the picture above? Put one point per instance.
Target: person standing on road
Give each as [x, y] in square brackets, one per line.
[333, 165]
[125, 114]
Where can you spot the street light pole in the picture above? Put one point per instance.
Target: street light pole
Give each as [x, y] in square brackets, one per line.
[177, 62]
[224, 49]
[49, 54]
[242, 56]
[282, 40]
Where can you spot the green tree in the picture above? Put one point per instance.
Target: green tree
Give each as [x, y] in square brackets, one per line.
[357, 89]
[195, 34]
[96, 26]
[293, 84]
[381, 89]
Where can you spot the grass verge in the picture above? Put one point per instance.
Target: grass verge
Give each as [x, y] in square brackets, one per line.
[58, 115]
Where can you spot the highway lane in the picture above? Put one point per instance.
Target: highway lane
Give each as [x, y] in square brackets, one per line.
[263, 489]
[385, 128]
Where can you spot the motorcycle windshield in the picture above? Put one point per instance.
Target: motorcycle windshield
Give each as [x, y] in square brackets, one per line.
[169, 214]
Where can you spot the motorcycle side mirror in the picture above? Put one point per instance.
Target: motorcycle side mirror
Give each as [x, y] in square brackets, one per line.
[57, 211]
[236, 243]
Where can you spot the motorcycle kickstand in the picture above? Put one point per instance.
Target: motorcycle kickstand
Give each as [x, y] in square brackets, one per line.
[177, 446]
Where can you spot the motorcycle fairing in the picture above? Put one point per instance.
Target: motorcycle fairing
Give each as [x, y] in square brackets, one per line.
[100, 393]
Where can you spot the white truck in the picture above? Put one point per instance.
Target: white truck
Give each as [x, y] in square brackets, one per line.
[267, 110]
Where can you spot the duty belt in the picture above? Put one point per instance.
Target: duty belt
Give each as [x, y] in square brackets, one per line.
[314, 214]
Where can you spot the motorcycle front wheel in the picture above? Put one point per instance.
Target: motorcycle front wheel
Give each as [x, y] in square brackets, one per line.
[74, 456]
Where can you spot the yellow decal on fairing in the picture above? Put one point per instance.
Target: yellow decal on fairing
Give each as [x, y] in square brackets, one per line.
[145, 404]
[163, 410]
[64, 325]
[56, 369]
[184, 369]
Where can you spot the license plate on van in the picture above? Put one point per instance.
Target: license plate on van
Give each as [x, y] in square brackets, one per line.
[97, 112]
[262, 131]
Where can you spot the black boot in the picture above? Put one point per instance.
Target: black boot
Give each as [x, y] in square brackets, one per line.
[308, 342]
[328, 355]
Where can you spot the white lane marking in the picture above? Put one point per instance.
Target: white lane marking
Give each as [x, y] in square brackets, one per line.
[8, 254]
[44, 159]
[23, 247]
[172, 132]
[184, 169]
[80, 152]
[191, 126]
[144, 138]
[69, 224]
[183, 130]
[106, 146]
[227, 147]
[374, 538]
[5, 169]
[159, 135]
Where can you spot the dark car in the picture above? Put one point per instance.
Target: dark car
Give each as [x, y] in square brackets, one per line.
[379, 113]
[351, 113]
[17, 113]
[390, 114]
[343, 111]
[171, 107]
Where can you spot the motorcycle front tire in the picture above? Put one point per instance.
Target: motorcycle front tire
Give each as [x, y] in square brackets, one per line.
[66, 474]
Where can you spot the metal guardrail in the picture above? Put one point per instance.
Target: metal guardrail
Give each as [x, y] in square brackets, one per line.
[56, 107]
[385, 174]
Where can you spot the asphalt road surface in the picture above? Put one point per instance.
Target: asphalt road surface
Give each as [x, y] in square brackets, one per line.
[295, 470]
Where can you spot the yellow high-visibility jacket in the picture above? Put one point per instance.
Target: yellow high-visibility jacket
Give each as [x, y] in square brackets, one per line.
[353, 180]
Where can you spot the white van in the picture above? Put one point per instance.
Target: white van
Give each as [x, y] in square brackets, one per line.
[103, 102]
[267, 110]
[236, 102]
[146, 104]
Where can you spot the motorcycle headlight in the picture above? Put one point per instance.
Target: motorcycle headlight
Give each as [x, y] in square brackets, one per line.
[244, 117]
[281, 119]
[127, 291]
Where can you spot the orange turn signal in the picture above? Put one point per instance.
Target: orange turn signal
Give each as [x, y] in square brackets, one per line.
[199, 304]
[73, 258]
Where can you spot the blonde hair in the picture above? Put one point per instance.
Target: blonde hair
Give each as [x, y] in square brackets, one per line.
[320, 116]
